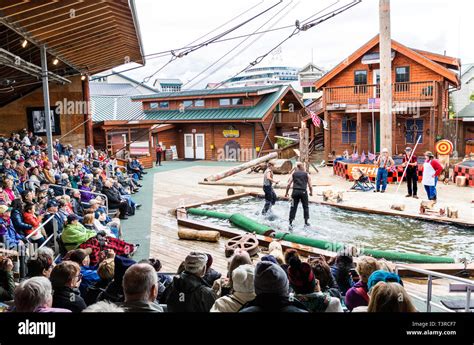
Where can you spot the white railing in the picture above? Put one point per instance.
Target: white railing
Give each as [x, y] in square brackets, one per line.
[429, 295]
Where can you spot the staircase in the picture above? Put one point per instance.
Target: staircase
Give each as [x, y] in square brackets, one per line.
[316, 149]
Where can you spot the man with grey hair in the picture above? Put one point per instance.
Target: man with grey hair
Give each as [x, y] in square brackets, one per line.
[35, 295]
[103, 307]
[189, 292]
[140, 287]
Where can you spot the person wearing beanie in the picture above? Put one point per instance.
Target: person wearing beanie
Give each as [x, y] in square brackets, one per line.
[223, 286]
[383, 276]
[211, 274]
[272, 291]
[307, 290]
[189, 292]
[243, 291]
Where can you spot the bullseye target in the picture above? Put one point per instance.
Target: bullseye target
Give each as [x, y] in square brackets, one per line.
[444, 147]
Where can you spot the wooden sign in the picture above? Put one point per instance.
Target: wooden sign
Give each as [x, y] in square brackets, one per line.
[175, 152]
[231, 132]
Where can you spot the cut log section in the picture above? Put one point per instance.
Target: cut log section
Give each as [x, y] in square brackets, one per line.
[241, 167]
[452, 212]
[398, 207]
[199, 235]
[235, 190]
[280, 166]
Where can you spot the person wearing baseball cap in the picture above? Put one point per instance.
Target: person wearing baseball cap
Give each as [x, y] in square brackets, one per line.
[411, 174]
[189, 292]
[431, 170]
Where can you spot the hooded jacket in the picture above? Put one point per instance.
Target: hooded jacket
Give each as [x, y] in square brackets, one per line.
[74, 235]
[114, 291]
[273, 303]
[198, 296]
[68, 298]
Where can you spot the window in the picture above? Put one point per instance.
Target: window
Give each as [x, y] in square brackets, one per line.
[223, 102]
[237, 101]
[165, 104]
[306, 89]
[414, 130]
[360, 80]
[153, 105]
[402, 75]
[348, 130]
[199, 103]
[187, 104]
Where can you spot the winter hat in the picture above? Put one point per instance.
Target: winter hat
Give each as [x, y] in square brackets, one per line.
[270, 258]
[210, 260]
[383, 276]
[195, 262]
[270, 278]
[301, 276]
[243, 279]
[4, 209]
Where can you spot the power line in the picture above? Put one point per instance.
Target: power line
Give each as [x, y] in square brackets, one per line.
[306, 26]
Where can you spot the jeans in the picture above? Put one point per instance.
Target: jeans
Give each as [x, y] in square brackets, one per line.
[431, 190]
[270, 198]
[297, 196]
[382, 175]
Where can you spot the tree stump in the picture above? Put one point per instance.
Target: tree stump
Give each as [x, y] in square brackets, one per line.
[235, 190]
[452, 212]
[398, 207]
[461, 181]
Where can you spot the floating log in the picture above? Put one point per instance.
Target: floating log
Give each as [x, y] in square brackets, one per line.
[235, 190]
[398, 207]
[199, 235]
[241, 167]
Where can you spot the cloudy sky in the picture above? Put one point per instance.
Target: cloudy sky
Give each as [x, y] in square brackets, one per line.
[436, 25]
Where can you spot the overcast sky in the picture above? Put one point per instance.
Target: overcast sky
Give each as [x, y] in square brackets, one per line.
[434, 25]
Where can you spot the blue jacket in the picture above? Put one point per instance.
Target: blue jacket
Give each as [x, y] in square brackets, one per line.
[18, 222]
[10, 237]
[89, 277]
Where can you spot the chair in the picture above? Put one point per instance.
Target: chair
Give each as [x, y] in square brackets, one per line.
[361, 181]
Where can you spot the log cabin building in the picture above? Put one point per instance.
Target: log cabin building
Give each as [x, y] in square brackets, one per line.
[351, 103]
[222, 124]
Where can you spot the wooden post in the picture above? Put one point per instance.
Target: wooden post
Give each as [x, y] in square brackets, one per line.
[385, 76]
[86, 97]
[327, 137]
[432, 131]
[359, 133]
[304, 149]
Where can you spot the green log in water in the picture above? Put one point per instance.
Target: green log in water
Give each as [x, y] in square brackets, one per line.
[250, 225]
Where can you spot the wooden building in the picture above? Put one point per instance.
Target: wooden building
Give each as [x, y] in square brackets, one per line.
[351, 103]
[80, 38]
[222, 124]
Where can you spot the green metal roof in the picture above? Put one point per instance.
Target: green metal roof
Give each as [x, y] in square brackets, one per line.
[467, 111]
[256, 112]
[206, 92]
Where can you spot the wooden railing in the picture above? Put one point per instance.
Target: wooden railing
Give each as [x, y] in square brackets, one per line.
[423, 91]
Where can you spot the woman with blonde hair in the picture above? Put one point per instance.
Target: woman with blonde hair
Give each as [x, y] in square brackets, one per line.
[357, 295]
[390, 297]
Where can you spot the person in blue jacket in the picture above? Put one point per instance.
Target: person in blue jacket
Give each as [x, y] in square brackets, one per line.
[17, 217]
[10, 238]
[89, 273]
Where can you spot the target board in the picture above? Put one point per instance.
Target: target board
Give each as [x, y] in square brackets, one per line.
[444, 147]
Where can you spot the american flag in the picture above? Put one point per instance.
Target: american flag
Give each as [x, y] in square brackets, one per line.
[355, 155]
[362, 157]
[371, 156]
[315, 118]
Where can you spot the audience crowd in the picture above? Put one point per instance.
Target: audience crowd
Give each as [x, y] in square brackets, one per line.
[94, 270]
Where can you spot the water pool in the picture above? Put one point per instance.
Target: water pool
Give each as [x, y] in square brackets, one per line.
[357, 228]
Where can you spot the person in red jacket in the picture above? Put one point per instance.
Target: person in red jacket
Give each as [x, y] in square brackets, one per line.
[30, 217]
[431, 170]
[159, 152]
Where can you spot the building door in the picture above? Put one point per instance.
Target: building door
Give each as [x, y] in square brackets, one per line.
[200, 147]
[376, 80]
[189, 146]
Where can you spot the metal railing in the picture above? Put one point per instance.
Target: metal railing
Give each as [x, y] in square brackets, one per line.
[53, 236]
[73, 189]
[430, 275]
[421, 91]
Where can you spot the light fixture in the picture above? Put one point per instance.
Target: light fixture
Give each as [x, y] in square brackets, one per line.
[55, 61]
[24, 43]
[83, 77]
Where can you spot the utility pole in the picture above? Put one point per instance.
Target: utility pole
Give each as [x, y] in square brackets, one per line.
[47, 114]
[385, 47]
